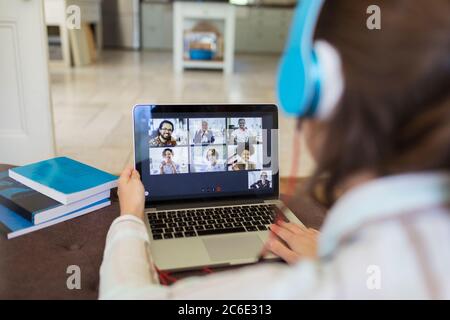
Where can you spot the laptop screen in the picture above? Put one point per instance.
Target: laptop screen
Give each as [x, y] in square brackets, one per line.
[206, 152]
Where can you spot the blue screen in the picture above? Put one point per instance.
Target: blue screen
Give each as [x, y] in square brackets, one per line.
[204, 152]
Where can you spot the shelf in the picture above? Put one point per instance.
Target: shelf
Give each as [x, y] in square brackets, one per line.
[184, 13]
[206, 64]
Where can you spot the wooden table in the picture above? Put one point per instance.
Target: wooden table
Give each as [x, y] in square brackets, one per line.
[34, 266]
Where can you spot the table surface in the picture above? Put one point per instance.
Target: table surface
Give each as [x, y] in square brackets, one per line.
[34, 266]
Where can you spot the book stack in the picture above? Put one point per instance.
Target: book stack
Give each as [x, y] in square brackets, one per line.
[82, 45]
[45, 193]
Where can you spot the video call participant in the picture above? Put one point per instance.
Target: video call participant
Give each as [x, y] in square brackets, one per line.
[213, 165]
[242, 134]
[263, 183]
[204, 135]
[244, 152]
[168, 166]
[164, 137]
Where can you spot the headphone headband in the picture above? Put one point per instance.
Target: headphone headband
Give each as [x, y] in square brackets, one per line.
[299, 77]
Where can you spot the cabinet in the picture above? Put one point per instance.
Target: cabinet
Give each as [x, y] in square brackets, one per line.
[121, 23]
[262, 29]
[157, 25]
[258, 29]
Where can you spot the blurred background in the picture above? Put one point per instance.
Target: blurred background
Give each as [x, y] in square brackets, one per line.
[128, 52]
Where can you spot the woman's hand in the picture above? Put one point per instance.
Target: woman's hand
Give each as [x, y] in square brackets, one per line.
[300, 242]
[131, 193]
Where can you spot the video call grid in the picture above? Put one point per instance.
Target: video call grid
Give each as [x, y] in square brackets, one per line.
[240, 137]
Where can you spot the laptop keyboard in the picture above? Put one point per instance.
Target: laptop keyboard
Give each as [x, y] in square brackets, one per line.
[211, 221]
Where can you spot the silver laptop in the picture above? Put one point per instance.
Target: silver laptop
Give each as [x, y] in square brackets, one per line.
[211, 182]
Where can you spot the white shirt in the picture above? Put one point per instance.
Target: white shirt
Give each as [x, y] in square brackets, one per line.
[168, 168]
[386, 239]
[241, 136]
[214, 167]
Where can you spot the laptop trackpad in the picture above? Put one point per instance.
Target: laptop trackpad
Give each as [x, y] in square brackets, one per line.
[234, 247]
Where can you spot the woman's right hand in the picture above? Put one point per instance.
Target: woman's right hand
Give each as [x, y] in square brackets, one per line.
[131, 193]
[299, 242]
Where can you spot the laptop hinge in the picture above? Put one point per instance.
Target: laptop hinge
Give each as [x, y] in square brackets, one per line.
[202, 204]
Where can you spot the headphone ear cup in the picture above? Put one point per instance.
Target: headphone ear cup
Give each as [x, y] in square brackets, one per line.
[331, 79]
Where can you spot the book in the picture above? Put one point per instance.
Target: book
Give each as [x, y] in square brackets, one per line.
[34, 206]
[79, 46]
[63, 179]
[15, 225]
[91, 43]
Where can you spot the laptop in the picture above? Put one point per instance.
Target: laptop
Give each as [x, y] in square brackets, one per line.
[211, 182]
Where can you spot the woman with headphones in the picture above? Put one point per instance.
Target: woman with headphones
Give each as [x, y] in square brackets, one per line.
[375, 110]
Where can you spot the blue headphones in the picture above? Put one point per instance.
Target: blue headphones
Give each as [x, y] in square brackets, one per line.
[300, 75]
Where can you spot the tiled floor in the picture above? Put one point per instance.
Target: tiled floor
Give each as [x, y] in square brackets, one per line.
[92, 105]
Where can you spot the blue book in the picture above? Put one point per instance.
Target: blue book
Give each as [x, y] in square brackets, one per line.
[15, 225]
[34, 206]
[64, 179]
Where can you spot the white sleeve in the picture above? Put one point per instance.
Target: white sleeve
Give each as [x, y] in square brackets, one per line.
[233, 135]
[127, 273]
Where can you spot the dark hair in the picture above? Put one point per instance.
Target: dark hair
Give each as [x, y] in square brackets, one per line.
[213, 153]
[239, 120]
[166, 121]
[167, 149]
[394, 115]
